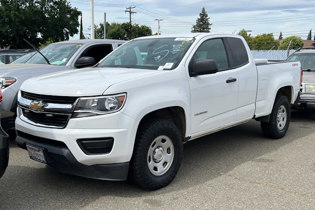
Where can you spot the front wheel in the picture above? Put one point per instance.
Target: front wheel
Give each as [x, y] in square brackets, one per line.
[157, 154]
[279, 119]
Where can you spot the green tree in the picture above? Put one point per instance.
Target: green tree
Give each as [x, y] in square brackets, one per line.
[121, 31]
[309, 36]
[18, 20]
[61, 20]
[202, 23]
[265, 42]
[39, 21]
[296, 43]
[280, 36]
[247, 37]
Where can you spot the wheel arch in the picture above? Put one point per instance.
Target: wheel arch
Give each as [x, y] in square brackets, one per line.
[175, 114]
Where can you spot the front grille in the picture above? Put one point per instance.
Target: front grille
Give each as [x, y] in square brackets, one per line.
[47, 118]
[49, 99]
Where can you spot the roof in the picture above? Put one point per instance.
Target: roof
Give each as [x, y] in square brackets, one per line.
[308, 43]
[15, 51]
[87, 41]
[305, 51]
[187, 35]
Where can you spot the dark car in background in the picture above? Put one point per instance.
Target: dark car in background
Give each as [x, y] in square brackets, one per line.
[23, 58]
[4, 151]
[8, 56]
[307, 59]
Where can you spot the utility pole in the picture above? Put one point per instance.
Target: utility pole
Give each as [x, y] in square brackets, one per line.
[158, 20]
[92, 20]
[104, 25]
[129, 10]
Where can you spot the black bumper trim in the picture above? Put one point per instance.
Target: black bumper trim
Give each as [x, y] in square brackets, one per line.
[60, 158]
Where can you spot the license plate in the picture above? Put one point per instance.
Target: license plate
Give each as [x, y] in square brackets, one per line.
[310, 88]
[36, 153]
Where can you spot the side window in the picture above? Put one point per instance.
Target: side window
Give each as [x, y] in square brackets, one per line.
[237, 52]
[98, 52]
[212, 49]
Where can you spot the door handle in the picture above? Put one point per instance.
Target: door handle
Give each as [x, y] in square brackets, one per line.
[230, 80]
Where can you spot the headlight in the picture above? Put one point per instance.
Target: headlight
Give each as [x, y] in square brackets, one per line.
[99, 105]
[6, 81]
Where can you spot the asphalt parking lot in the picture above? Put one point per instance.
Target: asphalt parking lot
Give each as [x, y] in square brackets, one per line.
[234, 169]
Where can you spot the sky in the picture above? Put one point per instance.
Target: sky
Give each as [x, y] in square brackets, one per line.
[291, 17]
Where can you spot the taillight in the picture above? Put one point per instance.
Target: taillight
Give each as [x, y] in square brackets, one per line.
[301, 80]
[0, 95]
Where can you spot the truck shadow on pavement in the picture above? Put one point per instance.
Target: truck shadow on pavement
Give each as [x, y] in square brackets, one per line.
[37, 186]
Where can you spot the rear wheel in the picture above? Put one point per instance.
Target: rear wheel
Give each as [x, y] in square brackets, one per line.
[279, 119]
[157, 154]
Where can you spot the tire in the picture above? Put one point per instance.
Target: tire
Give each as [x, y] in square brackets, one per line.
[279, 120]
[157, 154]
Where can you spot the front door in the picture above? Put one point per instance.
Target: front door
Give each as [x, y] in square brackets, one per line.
[214, 97]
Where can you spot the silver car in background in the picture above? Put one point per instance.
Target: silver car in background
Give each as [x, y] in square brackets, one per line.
[62, 56]
[307, 59]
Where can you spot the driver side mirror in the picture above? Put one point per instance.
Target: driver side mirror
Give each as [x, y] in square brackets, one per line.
[85, 61]
[208, 66]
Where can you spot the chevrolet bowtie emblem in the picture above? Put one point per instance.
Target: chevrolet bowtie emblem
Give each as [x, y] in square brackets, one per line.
[37, 105]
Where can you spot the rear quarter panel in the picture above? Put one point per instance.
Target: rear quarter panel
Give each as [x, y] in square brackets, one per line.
[271, 78]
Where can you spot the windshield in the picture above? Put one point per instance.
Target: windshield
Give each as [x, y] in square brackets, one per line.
[158, 53]
[57, 54]
[307, 60]
[23, 58]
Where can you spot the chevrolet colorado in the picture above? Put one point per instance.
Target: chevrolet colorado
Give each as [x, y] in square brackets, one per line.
[130, 115]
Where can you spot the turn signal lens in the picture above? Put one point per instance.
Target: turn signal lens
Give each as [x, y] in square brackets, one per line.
[6, 81]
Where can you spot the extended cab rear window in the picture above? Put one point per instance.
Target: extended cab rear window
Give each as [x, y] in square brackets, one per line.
[237, 52]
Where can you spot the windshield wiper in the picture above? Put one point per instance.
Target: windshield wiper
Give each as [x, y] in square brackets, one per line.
[36, 50]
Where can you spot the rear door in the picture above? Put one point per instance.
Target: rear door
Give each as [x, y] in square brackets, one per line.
[246, 77]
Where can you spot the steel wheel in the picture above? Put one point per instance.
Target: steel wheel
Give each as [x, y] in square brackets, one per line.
[281, 117]
[160, 155]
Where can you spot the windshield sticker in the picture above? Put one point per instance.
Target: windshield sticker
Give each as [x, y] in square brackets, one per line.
[160, 68]
[168, 66]
[183, 39]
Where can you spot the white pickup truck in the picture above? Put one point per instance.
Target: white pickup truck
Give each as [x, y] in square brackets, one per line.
[131, 114]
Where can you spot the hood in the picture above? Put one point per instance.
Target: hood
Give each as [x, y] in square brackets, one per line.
[83, 82]
[308, 76]
[21, 70]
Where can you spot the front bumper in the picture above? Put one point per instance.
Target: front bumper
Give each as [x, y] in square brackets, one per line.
[65, 153]
[59, 157]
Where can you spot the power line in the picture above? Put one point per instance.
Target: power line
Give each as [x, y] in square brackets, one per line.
[129, 10]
